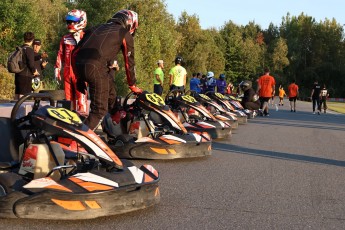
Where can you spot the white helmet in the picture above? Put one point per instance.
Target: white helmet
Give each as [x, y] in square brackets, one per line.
[210, 74]
[76, 20]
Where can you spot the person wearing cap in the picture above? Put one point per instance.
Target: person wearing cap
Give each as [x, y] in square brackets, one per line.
[158, 78]
[40, 59]
[178, 75]
[40, 63]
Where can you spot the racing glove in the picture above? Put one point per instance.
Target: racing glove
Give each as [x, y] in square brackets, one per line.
[81, 86]
[135, 89]
[57, 74]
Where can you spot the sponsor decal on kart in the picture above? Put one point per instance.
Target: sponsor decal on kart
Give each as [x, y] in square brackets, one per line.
[155, 99]
[188, 98]
[45, 182]
[205, 125]
[205, 97]
[89, 177]
[171, 137]
[146, 139]
[137, 174]
[65, 115]
[197, 137]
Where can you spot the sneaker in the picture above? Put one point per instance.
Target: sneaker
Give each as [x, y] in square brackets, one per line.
[313, 112]
[325, 111]
[291, 110]
[294, 110]
[318, 113]
[267, 114]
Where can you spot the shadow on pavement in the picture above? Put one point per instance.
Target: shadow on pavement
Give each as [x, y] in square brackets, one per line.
[278, 155]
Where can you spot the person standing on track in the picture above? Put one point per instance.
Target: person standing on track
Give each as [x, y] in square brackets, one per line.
[98, 48]
[315, 97]
[324, 95]
[293, 94]
[178, 75]
[158, 78]
[76, 21]
[265, 90]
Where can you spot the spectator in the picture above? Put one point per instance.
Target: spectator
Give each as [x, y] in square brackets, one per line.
[282, 94]
[266, 87]
[194, 83]
[158, 78]
[99, 46]
[40, 64]
[178, 75]
[221, 84]
[315, 97]
[229, 88]
[203, 81]
[324, 96]
[293, 94]
[211, 82]
[23, 79]
[76, 22]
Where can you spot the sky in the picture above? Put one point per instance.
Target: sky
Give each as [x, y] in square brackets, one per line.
[215, 13]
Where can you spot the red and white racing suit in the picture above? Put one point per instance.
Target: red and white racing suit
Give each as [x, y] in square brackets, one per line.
[64, 56]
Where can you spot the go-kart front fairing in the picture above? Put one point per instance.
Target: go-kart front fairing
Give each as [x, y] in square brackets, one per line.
[195, 117]
[150, 130]
[95, 184]
[236, 103]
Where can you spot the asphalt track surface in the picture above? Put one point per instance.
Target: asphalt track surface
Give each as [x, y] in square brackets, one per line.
[285, 171]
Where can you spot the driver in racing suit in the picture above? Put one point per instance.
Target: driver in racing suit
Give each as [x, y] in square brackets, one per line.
[76, 22]
[94, 55]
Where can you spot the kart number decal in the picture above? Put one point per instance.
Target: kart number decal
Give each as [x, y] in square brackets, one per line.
[189, 98]
[205, 97]
[219, 95]
[64, 115]
[155, 99]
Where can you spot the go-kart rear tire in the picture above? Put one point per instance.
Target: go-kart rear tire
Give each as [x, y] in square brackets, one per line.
[10, 182]
[56, 94]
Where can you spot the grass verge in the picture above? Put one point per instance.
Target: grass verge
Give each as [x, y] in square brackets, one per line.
[336, 106]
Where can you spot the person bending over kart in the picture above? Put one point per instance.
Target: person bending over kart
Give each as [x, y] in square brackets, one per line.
[250, 98]
[99, 47]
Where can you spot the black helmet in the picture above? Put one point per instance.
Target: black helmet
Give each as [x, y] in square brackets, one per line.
[245, 85]
[222, 76]
[128, 19]
[178, 60]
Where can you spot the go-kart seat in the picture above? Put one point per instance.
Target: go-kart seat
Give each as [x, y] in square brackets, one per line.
[10, 139]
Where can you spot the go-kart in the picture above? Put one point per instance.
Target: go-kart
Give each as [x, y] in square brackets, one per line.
[38, 181]
[236, 103]
[217, 110]
[195, 117]
[224, 102]
[143, 127]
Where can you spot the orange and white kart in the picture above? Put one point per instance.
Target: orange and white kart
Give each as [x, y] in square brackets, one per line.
[38, 181]
[216, 109]
[224, 102]
[144, 127]
[195, 117]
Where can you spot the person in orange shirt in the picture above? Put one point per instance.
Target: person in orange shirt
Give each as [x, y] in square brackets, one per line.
[266, 88]
[281, 95]
[293, 94]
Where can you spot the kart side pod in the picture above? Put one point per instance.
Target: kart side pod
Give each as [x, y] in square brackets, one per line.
[38, 161]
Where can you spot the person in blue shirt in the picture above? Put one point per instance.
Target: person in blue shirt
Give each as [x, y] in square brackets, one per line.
[221, 84]
[194, 83]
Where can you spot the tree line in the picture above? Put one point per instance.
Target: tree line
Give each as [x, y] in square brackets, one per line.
[299, 48]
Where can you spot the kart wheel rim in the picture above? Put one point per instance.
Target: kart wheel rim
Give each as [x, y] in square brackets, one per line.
[2, 191]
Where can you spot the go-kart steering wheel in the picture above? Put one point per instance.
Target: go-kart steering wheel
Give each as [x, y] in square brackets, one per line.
[131, 95]
[20, 122]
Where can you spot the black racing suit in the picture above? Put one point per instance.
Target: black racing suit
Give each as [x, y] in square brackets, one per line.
[100, 46]
[248, 101]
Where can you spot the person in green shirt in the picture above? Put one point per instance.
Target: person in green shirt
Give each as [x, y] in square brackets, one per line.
[178, 75]
[158, 78]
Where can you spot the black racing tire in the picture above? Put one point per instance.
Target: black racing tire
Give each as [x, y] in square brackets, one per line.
[9, 182]
[56, 94]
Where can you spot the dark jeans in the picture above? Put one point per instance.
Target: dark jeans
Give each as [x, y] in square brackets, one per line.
[316, 102]
[252, 105]
[158, 89]
[323, 103]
